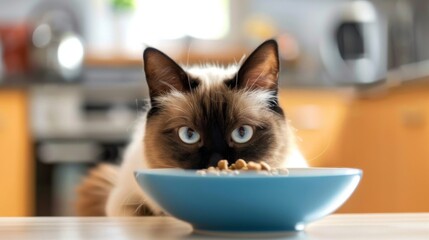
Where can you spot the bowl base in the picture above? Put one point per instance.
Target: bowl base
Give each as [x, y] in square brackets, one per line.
[251, 234]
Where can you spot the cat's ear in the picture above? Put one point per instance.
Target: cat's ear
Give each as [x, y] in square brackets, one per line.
[261, 69]
[162, 73]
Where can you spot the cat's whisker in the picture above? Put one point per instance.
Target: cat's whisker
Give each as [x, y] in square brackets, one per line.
[325, 149]
[236, 81]
[259, 76]
[242, 59]
[187, 55]
[131, 196]
[235, 61]
[174, 118]
[179, 109]
[168, 85]
[124, 204]
[190, 105]
[138, 208]
[189, 84]
[250, 108]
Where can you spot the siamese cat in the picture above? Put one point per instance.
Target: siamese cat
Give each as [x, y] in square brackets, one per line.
[197, 116]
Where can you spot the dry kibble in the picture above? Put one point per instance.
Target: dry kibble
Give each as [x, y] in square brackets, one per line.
[265, 166]
[254, 166]
[232, 167]
[240, 163]
[222, 164]
[239, 166]
[212, 169]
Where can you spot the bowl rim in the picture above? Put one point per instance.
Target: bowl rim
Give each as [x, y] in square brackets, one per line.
[293, 173]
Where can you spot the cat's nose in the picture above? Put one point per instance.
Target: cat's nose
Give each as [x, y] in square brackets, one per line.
[214, 159]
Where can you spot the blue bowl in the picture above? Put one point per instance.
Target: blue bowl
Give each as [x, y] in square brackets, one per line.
[250, 202]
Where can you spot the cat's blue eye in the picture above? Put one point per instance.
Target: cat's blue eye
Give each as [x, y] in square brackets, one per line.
[188, 135]
[242, 134]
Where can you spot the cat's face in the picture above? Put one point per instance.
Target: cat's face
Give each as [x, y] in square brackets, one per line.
[202, 115]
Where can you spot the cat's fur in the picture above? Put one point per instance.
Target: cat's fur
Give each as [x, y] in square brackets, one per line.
[211, 100]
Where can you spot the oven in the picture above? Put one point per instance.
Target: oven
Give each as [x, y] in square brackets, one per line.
[76, 126]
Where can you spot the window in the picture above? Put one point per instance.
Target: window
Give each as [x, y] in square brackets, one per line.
[172, 19]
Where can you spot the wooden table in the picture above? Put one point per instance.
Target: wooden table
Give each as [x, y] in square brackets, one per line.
[340, 226]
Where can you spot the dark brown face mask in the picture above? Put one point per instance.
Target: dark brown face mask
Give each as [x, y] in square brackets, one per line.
[196, 121]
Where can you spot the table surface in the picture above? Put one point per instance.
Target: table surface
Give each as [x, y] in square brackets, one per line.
[339, 226]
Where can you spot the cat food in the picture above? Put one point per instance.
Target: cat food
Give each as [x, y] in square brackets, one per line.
[265, 166]
[223, 168]
[240, 164]
[223, 165]
[254, 166]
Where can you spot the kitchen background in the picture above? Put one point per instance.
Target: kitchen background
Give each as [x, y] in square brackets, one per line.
[355, 84]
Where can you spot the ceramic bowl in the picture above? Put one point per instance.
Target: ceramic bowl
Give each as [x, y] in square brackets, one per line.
[250, 202]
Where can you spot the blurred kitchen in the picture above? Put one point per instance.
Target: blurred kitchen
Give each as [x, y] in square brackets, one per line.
[355, 84]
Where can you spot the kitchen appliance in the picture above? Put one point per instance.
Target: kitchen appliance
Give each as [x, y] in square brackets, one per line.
[352, 55]
[349, 43]
[336, 43]
[14, 48]
[76, 126]
[57, 48]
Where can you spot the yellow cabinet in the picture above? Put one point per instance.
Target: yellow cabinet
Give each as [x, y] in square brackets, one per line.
[16, 167]
[387, 136]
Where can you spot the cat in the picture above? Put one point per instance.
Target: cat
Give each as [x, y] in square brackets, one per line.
[198, 116]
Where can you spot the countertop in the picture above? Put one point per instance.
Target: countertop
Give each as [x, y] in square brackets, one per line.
[339, 226]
